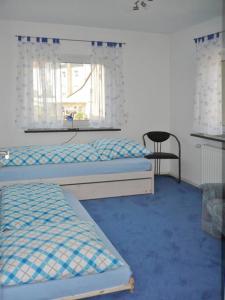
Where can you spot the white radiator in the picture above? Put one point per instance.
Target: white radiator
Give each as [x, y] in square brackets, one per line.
[212, 161]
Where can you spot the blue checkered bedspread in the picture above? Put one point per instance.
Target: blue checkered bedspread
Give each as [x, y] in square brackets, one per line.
[33, 205]
[99, 150]
[39, 245]
[50, 154]
[109, 149]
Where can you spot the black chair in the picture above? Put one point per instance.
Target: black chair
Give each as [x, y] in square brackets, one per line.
[158, 137]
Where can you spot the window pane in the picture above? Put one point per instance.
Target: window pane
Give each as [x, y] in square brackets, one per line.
[75, 86]
[76, 90]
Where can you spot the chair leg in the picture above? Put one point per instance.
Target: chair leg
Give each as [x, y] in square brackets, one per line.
[159, 166]
[156, 166]
[179, 167]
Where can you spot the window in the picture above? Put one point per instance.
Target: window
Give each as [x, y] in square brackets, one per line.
[53, 88]
[208, 96]
[76, 87]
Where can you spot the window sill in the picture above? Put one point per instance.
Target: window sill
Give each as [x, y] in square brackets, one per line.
[217, 138]
[70, 130]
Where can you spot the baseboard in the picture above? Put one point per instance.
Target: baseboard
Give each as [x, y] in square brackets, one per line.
[182, 179]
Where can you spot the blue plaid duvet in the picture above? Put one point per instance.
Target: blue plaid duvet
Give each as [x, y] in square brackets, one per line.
[53, 252]
[33, 205]
[52, 154]
[103, 149]
[109, 149]
[47, 247]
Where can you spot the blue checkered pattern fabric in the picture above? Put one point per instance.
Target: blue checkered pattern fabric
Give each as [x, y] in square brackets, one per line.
[53, 252]
[32, 205]
[42, 239]
[109, 149]
[54, 154]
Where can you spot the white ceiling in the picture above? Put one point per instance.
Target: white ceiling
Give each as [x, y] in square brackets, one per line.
[161, 16]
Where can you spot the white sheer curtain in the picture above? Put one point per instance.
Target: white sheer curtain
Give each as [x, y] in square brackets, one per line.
[39, 99]
[208, 98]
[107, 108]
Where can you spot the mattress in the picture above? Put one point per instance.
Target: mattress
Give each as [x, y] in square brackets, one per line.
[68, 287]
[74, 169]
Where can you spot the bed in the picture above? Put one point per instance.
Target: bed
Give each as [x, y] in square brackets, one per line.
[81, 287]
[105, 168]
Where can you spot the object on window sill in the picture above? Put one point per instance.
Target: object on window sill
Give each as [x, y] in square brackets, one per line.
[89, 129]
[69, 118]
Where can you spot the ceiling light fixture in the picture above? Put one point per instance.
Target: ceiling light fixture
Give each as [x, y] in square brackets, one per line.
[138, 4]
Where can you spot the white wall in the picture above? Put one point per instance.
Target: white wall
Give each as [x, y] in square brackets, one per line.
[182, 96]
[146, 70]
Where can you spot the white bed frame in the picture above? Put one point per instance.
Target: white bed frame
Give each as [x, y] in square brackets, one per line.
[100, 186]
[126, 287]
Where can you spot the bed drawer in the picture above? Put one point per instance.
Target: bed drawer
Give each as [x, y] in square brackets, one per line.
[111, 188]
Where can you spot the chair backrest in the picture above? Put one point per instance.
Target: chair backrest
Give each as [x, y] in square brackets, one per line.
[159, 137]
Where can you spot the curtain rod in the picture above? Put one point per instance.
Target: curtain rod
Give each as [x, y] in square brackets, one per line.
[70, 40]
[208, 35]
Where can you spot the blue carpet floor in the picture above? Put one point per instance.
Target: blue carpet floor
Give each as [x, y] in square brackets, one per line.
[161, 239]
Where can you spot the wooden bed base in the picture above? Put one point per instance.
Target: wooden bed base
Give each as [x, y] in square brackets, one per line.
[127, 287]
[100, 186]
